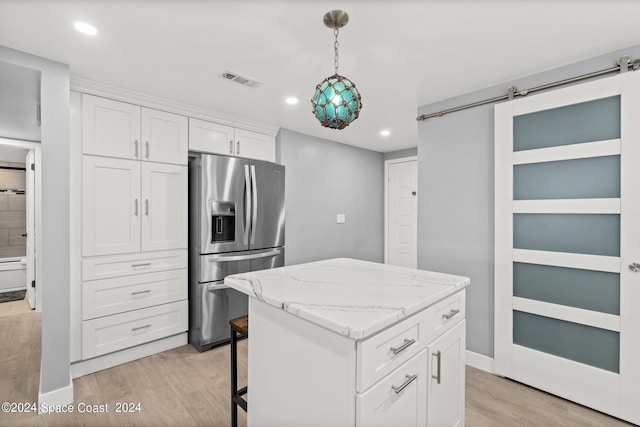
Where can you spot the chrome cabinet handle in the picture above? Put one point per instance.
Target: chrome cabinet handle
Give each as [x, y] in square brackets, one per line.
[135, 212]
[136, 148]
[148, 291]
[147, 146]
[141, 265]
[140, 327]
[439, 366]
[404, 346]
[230, 146]
[238, 148]
[409, 380]
[634, 266]
[146, 207]
[450, 314]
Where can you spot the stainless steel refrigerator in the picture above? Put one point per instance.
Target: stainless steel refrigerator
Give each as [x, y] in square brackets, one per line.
[236, 224]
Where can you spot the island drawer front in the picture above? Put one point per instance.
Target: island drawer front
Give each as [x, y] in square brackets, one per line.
[112, 333]
[376, 356]
[120, 294]
[104, 267]
[400, 398]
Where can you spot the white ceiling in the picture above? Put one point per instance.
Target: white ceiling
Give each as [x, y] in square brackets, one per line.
[401, 54]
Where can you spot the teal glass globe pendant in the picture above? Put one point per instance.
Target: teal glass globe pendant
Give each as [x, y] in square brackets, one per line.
[337, 101]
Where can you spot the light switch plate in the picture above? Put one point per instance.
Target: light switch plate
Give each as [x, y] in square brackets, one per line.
[341, 218]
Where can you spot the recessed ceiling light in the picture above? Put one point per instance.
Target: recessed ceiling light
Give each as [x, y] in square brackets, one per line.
[85, 28]
[385, 133]
[291, 100]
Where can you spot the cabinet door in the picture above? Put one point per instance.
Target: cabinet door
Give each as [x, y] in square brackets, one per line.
[164, 137]
[399, 399]
[446, 378]
[255, 145]
[164, 206]
[110, 206]
[110, 128]
[210, 137]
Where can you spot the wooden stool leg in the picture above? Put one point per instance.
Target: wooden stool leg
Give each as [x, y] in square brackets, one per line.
[234, 378]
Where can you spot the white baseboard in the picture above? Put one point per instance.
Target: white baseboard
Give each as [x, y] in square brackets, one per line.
[58, 397]
[85, 367]
[480, 361]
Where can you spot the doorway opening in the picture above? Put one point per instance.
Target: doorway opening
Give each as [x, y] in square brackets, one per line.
[19, 219]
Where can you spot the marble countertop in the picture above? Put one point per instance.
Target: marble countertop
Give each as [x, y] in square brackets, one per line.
[351, 297]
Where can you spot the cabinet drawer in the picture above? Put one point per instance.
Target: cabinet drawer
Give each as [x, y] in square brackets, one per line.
[384, 352]
[127, 264]
[120, 294]
[111, 333]
[399, 399]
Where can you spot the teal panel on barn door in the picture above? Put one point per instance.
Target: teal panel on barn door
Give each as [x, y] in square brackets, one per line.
[590, 178]
[585, 344]
[587, 289]
[593, 234]
[596, 120]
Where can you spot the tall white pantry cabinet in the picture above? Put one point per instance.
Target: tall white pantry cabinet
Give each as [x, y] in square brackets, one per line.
[134, 183]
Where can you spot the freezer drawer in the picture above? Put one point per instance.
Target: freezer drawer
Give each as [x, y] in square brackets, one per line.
[212, 306]
[218, 266]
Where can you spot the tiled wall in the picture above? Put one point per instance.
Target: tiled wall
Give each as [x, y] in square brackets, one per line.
[12, 212]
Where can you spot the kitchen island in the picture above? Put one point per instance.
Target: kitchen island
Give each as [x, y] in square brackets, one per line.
[344, 342]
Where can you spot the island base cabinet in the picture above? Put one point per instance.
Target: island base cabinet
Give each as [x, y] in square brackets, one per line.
[399, 399]
[446, 379]
[299, 374]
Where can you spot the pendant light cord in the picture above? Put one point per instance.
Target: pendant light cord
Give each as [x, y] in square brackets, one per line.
[335, 49]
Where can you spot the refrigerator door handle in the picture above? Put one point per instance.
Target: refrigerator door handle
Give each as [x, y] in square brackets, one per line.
[216, 286]
[254, 204]
[247, 205]
[227, 258]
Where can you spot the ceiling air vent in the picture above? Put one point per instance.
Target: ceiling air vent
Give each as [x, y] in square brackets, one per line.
[244, 81]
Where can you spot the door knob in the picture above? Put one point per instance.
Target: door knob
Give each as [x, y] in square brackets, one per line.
[634, 266]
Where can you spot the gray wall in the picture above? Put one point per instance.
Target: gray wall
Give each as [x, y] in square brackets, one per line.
[409, 152]
[325, 178]
[455, 177]
[55, 369]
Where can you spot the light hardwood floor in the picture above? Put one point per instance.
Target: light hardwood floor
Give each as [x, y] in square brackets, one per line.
[182, 387]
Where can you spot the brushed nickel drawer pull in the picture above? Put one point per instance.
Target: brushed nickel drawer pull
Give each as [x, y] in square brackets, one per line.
[409, 380]
[140, 327]
[404, 346]
[141, 264]
[141, 292]
[450, 314]
[439, 366]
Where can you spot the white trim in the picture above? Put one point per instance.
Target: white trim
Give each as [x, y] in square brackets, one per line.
[589, 386]
[110, 360]
[59, 397]
[101, 89]
[579, 206]
[386, 200]
[570, 95]
[585, 150]
[480, 361]
[596, 319]
[563, 259]
[630, 249]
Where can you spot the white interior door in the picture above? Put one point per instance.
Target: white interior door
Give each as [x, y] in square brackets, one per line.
[567, 278]
[402, 212]
[31, 228]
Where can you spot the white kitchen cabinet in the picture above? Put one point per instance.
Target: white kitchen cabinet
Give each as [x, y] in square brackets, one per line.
[130, 206]
[164, 206]
[110, 206]
[446, 378]
[118, 129]
[208, 137]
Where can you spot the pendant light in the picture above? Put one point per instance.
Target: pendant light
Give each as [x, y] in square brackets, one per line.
[336, 102]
